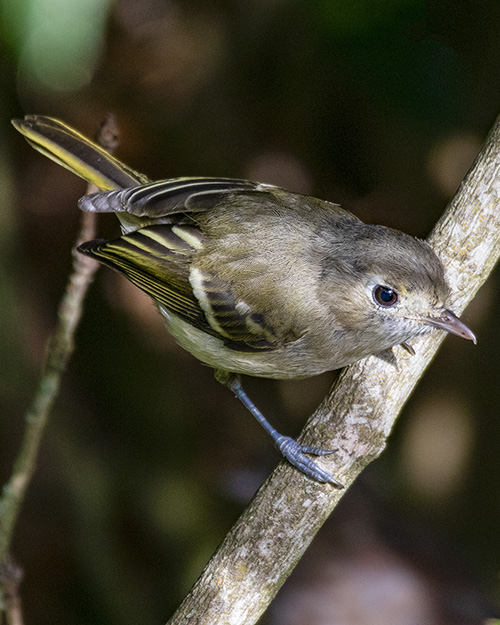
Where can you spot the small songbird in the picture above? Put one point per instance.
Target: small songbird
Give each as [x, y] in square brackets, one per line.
[252, 279]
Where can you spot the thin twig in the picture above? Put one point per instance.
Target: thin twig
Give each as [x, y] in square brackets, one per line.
[267, 541]
[59, 349]
[11, 576]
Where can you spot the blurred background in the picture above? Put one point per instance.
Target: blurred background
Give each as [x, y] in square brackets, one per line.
[379, 106]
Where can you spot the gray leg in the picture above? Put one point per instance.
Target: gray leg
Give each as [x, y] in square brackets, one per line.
[289, 448]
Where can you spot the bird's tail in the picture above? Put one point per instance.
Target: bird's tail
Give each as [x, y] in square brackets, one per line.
[83, 157]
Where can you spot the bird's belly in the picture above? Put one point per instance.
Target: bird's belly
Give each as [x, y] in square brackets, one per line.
[289, 362]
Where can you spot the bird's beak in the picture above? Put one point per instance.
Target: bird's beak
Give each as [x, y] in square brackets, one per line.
[446, 320]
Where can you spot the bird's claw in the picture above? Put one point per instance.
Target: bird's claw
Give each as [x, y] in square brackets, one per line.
[296, 455]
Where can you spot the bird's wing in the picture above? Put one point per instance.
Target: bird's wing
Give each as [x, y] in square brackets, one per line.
[157, 260]
[169, 197]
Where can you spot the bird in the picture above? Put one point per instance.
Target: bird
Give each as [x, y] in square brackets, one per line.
[252, 279]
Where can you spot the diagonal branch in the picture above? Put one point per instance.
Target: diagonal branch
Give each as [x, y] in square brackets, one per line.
[272, 534]
[59, 350]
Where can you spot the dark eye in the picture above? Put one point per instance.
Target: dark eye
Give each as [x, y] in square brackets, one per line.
[384, 296]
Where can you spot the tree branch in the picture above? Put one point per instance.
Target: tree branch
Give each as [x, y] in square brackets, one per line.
[10, 579]
[272, 534]
[59, 350]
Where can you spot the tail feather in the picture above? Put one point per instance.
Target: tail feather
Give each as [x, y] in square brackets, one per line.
[69, 148]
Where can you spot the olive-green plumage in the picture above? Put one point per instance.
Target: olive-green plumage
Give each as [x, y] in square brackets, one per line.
[254, 279]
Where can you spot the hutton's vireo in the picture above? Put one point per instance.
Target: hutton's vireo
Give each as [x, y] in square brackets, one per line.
[252, 279]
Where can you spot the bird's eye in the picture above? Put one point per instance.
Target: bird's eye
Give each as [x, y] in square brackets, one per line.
[384, 296]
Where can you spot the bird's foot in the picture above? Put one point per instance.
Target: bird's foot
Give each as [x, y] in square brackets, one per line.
[296, 455]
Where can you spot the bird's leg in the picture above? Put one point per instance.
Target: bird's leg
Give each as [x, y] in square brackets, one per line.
[289, 448]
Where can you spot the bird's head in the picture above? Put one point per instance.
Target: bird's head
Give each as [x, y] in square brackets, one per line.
[395, 289]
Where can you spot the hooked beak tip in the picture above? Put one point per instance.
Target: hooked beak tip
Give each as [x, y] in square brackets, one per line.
[447, 320]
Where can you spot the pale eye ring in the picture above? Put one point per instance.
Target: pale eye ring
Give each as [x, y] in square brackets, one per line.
[385, 296]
